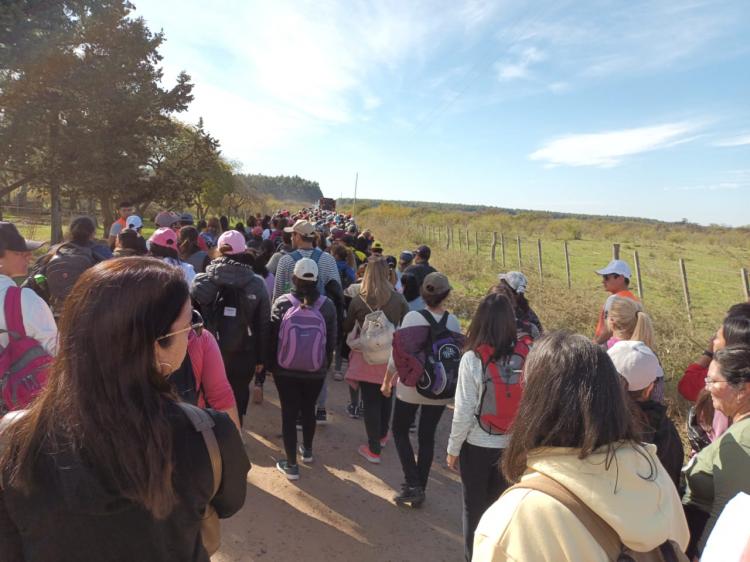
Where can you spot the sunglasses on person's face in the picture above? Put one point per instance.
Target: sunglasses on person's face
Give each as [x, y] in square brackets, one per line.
[610, 276]
[196, 324]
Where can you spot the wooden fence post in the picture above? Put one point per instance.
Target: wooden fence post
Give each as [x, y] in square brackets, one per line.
[447, 237]
[615, 251]
[685, 290]
[460, 240]
[539, 259]
[437, 232]
[494, 246]
[745, 284]
[637, 262]
[467, 240]
[520, 260]
[476, 242]
[567, 262]
[502, 247]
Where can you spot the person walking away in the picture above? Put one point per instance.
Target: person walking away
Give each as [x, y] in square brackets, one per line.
[720, 471]
[518, 284]
[106, 452]
[64, 263]
[433, 334]
[579, 465]
[236, 308]
[615, 280]
[414, 275]
[374, 313]
[129, 244]
[163, 245]
[168, 219]
[124, 210]
[405, 259]
[328, 282]
[186, 219]
[211, 232]
[190, 251]
[303, 337]
[487, 398]
[28, 333]
[640, 368]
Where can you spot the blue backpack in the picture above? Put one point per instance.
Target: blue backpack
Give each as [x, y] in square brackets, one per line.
[315, 256]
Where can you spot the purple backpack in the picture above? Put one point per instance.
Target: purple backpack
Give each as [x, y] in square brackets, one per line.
[302, 337]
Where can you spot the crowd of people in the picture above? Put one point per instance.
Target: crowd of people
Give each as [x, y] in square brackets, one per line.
[129, 365]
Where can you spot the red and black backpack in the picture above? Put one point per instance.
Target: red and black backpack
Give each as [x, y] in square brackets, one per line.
[502, 386]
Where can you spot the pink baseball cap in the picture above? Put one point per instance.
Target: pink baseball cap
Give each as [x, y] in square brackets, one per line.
[164, 237]
[233, 239]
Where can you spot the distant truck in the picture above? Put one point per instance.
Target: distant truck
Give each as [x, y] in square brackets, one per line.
[327, 204]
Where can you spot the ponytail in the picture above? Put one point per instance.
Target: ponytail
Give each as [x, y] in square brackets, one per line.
[644, 329]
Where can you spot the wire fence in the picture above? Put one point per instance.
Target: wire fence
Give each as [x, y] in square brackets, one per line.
[701, 284]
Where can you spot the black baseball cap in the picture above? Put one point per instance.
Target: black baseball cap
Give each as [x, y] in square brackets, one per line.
[423, 252]
[11, 239]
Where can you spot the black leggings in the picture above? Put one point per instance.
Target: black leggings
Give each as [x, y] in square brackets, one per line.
[297, 396]
[240, 370]
[377, 414]
[482, 484]
[415, 472]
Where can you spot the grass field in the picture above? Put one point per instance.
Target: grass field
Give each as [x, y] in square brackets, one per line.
[712, 261]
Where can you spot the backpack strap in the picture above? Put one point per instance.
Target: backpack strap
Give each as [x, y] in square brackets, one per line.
[600, 530]
[315, 256]
[435, 327]
[320, 302]
[294, 300]
[364, 300]
[204, 423]
[13, 313]
[296, 255]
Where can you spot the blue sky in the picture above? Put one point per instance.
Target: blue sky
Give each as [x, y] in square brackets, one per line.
[635, 108]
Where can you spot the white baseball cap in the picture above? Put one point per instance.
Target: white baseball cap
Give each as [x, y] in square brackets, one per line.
[134, 221]
[516, 280]
[635, 361]
[306, 269]
[616, 266]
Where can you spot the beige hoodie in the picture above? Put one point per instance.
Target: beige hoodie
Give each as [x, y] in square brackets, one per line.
[530, 526]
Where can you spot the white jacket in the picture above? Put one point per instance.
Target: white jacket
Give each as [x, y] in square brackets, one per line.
[532, 526]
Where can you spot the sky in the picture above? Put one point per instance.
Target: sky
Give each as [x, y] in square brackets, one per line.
[637, 108]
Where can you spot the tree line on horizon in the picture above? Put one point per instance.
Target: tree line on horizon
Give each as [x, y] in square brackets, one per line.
[87, 119]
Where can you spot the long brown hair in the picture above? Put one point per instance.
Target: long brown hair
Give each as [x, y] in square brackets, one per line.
[493, 324]
[376, 286]
[105, 397]
[573, 398]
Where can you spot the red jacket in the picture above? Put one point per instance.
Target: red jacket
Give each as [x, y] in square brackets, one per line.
[692, 382]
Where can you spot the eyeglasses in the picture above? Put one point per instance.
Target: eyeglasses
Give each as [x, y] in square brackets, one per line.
[197, 327]
[710, 382]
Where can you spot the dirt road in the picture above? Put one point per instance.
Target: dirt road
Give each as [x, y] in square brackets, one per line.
[341, 508]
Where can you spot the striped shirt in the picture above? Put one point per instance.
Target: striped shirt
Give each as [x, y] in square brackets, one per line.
[327, 270]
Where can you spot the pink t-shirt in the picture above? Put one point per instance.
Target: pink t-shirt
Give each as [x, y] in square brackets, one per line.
[208, 367]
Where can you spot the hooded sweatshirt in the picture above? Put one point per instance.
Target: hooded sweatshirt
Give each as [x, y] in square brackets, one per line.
[531, 526]
[226, 272]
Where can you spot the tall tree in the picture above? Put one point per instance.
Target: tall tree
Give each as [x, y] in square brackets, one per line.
[80, 89]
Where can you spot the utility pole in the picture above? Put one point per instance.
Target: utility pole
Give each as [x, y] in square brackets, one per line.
[356, 180]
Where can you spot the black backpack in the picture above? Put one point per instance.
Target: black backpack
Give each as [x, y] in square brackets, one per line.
[229, 320]
[443, 356]
[62, 268]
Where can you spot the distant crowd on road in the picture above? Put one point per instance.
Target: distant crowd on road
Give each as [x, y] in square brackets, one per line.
[129, 366]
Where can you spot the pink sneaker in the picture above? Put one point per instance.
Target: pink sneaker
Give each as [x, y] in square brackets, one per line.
[383, 441]
[365, 452]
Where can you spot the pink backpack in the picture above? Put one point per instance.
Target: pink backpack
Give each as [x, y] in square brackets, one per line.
[24, 363]
[302, 337]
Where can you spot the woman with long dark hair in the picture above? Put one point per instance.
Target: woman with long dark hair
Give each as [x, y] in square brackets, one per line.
[105, 463]
[491, 338]
[574, 450]
[190, 251]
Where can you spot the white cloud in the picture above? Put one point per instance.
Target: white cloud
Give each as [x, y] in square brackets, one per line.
[739, 140]
[519, 67]
[609, 148]
[371, 102]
